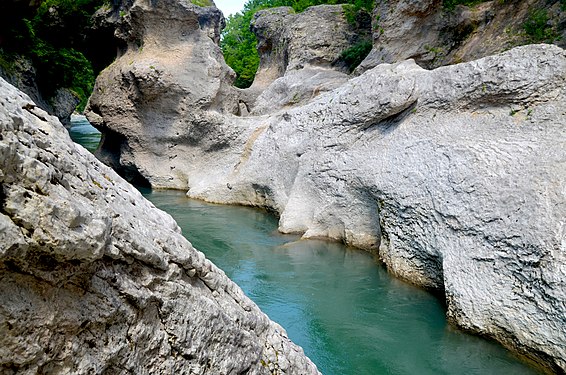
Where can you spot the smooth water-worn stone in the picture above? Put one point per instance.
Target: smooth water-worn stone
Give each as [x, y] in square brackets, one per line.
[454, 176]
[95, 279]
[170, 80]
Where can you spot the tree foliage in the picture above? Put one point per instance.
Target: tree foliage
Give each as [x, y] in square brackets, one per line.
[354, 55]
[538, 29]
[52, 36]
[239, 43]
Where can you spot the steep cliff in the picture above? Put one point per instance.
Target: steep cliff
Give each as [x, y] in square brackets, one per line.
[95, 279]
[436, 33]
[171, 81]
[300, 53]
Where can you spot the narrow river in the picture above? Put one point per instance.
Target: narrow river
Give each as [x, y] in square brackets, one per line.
[339, 304]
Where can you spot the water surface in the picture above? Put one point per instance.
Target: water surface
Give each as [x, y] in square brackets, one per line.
[349, 315]
[84, 133]
[338, 303]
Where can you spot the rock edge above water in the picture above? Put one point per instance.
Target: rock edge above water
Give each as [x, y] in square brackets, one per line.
[95, 279]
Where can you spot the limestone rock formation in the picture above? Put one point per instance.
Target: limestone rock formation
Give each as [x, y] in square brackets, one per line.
[301, 53]
[171, 80]
[95, 279]
[435, 35]
[455, 177]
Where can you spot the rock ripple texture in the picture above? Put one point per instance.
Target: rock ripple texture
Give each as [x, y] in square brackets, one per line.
[94, 279]
[455, 177]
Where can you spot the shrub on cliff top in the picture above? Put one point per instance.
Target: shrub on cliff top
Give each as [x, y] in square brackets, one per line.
[354, 55]
[538, 29]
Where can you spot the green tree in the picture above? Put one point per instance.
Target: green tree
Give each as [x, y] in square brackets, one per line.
[53, 38]
[239, 48]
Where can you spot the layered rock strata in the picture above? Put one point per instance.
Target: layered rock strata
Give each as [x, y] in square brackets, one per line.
[455, 177]
[434, 34]
[95, 279]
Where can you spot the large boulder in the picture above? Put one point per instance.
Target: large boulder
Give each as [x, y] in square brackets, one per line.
[170, 80]
[95, 279]
[455, 177]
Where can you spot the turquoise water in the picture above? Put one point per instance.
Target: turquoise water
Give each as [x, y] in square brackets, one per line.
[339, 304]
[84, 133]
[349, 315]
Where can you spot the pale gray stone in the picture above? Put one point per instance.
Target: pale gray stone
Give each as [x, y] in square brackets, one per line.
[455, 177]
[170, 80]
[302, 53]
[95, 280]
[23, 75]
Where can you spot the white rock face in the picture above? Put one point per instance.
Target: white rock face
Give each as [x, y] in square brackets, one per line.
[455, 176]
[95, 280]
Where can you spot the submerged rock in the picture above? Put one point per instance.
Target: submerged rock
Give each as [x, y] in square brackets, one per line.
[95, 279]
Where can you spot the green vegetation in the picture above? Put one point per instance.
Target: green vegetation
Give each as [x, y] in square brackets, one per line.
[239, 43]
[52, 37]
[239, 47]
[451, 4]
[354, 55]
[537, 27]
[202, 3]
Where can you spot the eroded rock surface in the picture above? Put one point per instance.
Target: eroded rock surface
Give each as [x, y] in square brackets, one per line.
[455, 177]
[300, 53]
[95, 280]
[169, 82]
[23, 75]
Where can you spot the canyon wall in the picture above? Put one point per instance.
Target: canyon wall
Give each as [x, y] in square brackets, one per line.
[453, 176]
[436, 33]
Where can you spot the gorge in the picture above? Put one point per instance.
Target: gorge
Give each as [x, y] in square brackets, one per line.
[343, 308]
[453, 177]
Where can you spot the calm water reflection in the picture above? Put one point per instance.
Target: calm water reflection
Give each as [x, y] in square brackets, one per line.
[84, 133]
